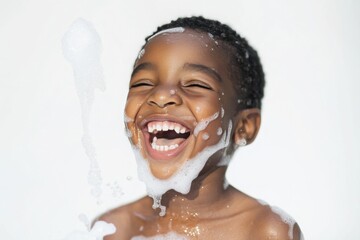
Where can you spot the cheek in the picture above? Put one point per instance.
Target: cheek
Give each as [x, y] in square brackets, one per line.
[132, 106]
[131, 112]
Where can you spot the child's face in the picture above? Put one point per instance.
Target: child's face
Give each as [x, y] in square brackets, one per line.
[179, 82]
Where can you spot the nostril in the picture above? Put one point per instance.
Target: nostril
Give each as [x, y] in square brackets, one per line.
[162, 103]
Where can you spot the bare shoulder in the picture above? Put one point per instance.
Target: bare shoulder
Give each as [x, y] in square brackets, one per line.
[125, 219]
[274, 223]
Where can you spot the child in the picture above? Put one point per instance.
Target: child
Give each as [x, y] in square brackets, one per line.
[194, 98]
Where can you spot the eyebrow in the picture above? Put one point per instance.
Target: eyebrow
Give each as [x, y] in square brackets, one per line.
[203, 69]
[143, 66]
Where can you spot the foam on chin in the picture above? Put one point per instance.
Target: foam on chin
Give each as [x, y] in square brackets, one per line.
[182, 179]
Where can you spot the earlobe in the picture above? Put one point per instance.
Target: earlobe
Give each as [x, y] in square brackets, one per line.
[247, 126]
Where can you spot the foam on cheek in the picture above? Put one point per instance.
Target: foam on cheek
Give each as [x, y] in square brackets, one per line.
[204, 123]
[168, 236]
[205, 136]
[222, 112]
[127, 120]
[182, 179]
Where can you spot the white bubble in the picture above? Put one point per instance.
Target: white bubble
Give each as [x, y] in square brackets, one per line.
[205, 136]
[219, 131]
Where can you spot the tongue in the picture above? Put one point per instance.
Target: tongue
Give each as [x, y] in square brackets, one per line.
[168, 142]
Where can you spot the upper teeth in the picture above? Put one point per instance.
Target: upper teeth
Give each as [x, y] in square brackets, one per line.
[165, 126]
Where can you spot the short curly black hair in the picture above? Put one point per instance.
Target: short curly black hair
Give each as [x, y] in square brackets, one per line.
[247, 72]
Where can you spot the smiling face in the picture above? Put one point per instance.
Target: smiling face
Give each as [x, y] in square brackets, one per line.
[180, 100]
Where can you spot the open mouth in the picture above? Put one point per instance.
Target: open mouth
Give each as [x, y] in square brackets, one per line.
[165, 138]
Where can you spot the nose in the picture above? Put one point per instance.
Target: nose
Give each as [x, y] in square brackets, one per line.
[163, 96]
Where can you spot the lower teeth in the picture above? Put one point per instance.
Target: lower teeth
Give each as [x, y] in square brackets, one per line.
[162, 148]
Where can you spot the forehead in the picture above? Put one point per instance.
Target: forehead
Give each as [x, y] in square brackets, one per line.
[186, 46]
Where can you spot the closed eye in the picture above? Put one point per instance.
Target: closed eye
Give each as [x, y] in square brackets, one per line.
[141, 84]
[197, 85]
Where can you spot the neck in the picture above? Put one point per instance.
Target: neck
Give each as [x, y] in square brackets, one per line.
[206, 191]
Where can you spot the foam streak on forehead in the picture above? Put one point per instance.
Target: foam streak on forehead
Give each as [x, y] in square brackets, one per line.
[170, 30]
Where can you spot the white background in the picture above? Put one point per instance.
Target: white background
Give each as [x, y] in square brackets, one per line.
[306, 159]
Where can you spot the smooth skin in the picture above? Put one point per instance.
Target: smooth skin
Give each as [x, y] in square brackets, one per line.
[185, 76]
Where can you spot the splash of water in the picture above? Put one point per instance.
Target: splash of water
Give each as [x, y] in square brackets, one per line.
[81, 46]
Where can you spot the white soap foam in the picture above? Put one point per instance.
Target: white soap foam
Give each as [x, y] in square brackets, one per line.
[98, 232]
[226, 184]
[219, 131]
[182, 179]
[127, 119]
[170, 30]
[81, 46]
[204, 123]
[168, 236]
[85, 220]
[141, 53]
[262, 202]
[286, 218]
[205, 136]
[222, 112]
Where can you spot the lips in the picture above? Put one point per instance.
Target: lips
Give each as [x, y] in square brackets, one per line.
[165, 139]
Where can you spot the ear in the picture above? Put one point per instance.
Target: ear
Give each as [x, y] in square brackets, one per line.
[247, 125]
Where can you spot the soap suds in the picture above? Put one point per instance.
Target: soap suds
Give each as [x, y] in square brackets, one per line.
[98, 232]
[182, 179]
[205, 136]
[170, 30]
[286, 218]
[204, 123]
[141, 53]
[81, 46]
